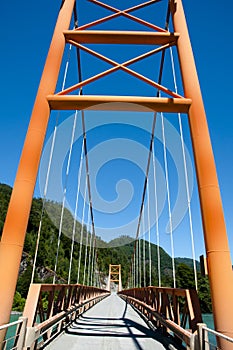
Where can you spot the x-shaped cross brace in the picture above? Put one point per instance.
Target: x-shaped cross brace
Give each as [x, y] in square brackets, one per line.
[125, 13]
[120, 66]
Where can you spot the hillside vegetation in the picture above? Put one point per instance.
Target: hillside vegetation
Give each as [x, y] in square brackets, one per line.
[118, 251]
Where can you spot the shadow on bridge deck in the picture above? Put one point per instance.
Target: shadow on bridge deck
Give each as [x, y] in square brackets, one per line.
[111, 324]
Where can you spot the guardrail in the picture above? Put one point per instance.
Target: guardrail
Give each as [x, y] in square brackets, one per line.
[51, 308]
[15, 341]
[211, 340]
[175, 311]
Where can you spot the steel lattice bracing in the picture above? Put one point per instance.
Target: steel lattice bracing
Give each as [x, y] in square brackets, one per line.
[114, 276]
[218, 255]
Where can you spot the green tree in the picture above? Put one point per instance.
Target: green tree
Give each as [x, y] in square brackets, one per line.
[185, 277]
[18, 303]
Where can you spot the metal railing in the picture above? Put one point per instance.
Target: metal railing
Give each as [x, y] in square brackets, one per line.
[166, 313]
[16, 338]
[210, 339]
[176, 311]
[51, 308]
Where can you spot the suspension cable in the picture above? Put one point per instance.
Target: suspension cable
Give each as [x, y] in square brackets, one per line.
[144, 248]
[134, 269]
[44, 201]
[87, 238]
[130, 276]
[85, 151]
[157, 219]
[137, 264]
[93, 259]
[168, 200]
[94, 270]
[81, 236]
[85, 142]
[48, 171]
[64, 195]
[186, 174]
[89, 258]
[153, 127]
[140, 261]
[149, 233]
[75, 212]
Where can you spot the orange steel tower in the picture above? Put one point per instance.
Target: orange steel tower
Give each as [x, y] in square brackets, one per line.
[114, 276]
[217, 250]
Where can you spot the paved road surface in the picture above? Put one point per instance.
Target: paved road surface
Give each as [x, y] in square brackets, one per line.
[111, 324]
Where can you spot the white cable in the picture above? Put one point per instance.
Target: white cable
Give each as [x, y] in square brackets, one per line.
[75, 212]
[81, 236]
[48, 174]
[149, 233]
[95, 270]
[66, 68]
[93, 260]
[87, 238]
[186, 176]
[64, 195]
[137, 264]
[89, 258]
[144, 247]
[140, 262]
[157, 219]
[134, 270]
[168, 201]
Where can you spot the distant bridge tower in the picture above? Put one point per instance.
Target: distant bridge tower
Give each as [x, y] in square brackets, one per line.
[114, 276]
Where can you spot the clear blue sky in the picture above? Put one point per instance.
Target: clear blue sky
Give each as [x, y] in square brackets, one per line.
[26, 30]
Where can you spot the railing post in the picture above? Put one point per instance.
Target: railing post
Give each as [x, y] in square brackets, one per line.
[22, 333]
[203, 340]
[31, 338]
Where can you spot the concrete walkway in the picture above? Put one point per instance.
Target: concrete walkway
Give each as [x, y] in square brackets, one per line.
[111, 324]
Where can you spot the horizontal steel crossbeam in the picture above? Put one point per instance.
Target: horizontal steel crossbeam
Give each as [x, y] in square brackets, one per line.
[119, 103]
[120, 37]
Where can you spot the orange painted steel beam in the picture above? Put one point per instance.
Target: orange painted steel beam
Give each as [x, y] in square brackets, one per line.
[132, 103]
[14, 231]
[120, 37]
[216, 241]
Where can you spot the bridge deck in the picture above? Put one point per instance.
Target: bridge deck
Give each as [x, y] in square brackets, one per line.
[111, 324]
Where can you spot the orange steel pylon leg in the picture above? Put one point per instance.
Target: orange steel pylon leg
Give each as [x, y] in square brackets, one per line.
[11, 245]
[216, 242]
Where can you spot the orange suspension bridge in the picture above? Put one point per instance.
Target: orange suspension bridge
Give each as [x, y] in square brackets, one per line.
[137, 315]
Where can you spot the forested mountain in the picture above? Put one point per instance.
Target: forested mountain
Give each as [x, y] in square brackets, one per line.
[118, 251]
